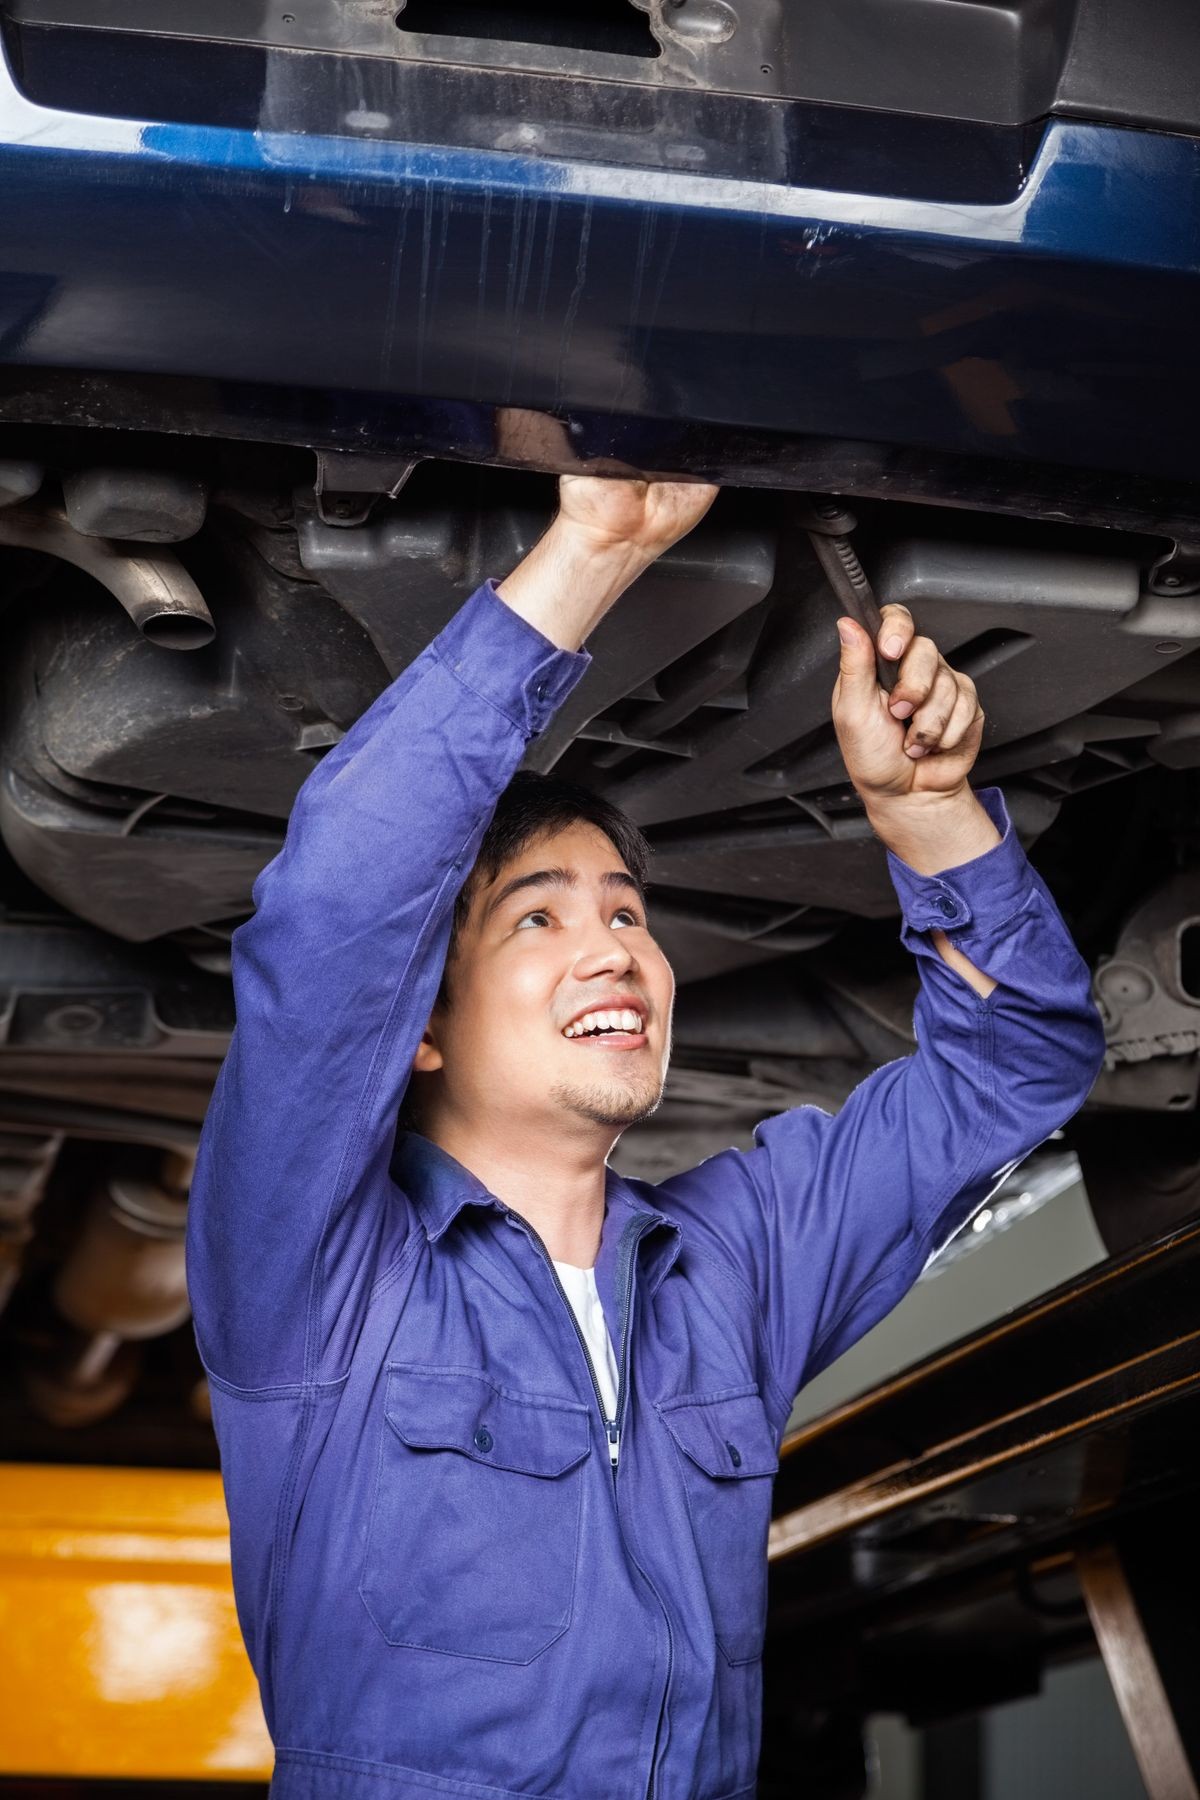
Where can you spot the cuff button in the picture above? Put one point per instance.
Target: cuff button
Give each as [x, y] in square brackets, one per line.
[946, 906]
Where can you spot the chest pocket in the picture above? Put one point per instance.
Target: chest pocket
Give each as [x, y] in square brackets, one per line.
[473, 1536]
[729, 1458]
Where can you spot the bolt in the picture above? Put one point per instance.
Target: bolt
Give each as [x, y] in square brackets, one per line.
[289, 702]
[75, 1021]
[1167, 649]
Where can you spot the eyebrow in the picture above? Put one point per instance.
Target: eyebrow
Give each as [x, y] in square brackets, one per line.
[559, 878]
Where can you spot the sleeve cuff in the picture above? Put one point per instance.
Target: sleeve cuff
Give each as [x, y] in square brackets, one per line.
[984, 892]
[507, 661]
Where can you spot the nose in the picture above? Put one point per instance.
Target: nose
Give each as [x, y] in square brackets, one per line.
[607, 952]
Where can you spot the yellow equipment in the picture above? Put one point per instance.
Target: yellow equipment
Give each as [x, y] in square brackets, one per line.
[119, 1646]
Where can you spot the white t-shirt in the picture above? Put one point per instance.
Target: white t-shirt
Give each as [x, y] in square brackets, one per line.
[579, 1285]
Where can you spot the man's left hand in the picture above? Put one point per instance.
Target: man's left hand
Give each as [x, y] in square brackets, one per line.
[924, 736]
[909, 754]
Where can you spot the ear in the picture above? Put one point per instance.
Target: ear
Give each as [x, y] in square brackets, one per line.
[428, 1056]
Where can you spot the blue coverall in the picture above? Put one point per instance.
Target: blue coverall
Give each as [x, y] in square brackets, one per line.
[444, 1587]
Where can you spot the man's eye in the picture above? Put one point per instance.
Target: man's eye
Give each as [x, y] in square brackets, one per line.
[533, 918]
[626, 917]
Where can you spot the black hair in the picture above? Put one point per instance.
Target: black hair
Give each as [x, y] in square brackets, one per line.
[534, 806]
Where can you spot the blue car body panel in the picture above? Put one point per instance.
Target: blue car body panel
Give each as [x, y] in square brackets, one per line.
[1057, 326]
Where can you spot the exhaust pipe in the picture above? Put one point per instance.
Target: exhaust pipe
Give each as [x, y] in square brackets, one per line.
[122, 1283]
[152, 585]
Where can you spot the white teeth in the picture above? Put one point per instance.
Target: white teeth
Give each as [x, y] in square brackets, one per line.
[624, 1020]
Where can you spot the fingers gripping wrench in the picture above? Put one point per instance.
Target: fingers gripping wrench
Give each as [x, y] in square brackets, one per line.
[829, 526]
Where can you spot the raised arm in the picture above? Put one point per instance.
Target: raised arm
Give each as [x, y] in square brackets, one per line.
[831, 1219]
[336, 974]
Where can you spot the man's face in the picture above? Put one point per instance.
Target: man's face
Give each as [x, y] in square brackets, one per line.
[559, 1007]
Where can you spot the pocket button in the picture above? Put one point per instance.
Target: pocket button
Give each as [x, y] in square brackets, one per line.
[483, 1439]
[735, 1455]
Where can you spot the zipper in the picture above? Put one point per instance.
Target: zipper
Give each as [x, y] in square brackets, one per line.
[612, 1430]
[655, 1751]
[627, 1250]
[634, 1232]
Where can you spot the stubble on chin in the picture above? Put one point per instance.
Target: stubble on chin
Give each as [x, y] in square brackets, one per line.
[615, 1104]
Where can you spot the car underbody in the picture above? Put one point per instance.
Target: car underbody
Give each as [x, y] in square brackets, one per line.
[190, 625]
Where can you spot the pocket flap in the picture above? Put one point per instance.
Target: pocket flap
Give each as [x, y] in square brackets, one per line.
[727, 1436]
[455, 1409]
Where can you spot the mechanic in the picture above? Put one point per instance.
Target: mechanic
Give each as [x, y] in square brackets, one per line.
[497, 1426]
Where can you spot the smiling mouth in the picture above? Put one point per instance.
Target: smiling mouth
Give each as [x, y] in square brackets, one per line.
[611, 1027]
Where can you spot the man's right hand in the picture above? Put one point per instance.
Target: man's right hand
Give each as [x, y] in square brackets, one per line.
[647, 515]
[606, 533]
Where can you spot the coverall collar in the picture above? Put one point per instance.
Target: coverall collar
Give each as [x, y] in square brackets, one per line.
[440, 1187]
